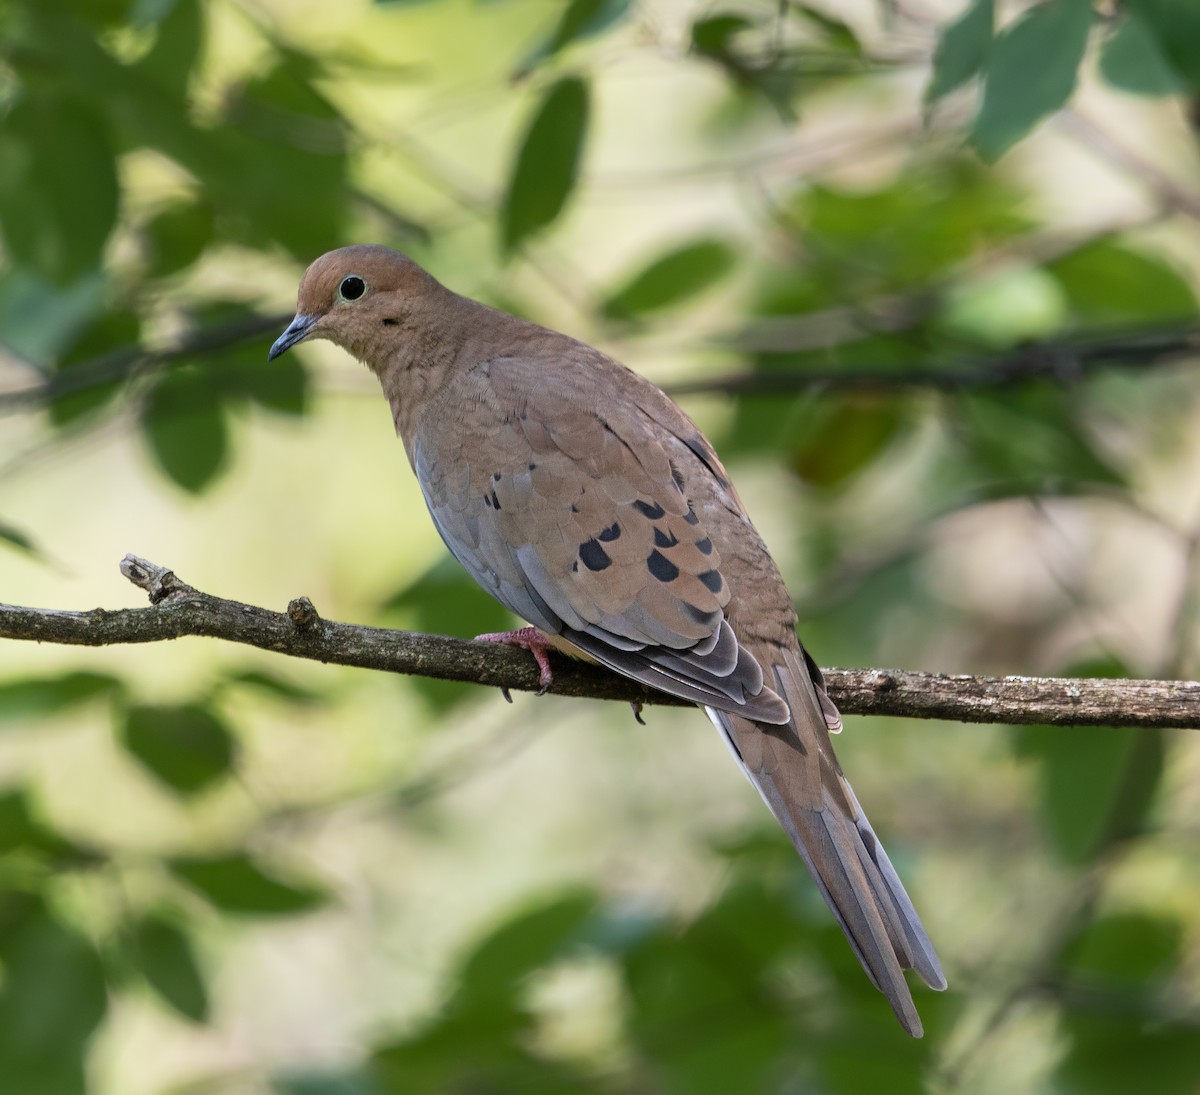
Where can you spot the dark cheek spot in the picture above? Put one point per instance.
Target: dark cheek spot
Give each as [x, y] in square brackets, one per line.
[611, 533]
[593, 555]
[650, 510]
[661, 567]
[711, 579]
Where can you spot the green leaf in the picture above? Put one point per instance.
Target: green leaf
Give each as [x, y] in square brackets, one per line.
[282, 386]
[1094, 791]
[849, 435]
[20, 541]
[184, 425]
[165, 958]
[1176, 25]
[235, 884]
[712, 35]
[52, 998]
[112, 332]
[1030, 73]
[962, 49]
[39, 321]
[579, 19]
[1132, 60]
[21, 829]
[523, 943]
[341, 1083]
[187, 747]
[1107, 284]
[674, 277]
[41, 696]
[58, 185]
[1125, 949]
[280, 688]
[178, 236]
[547, 163]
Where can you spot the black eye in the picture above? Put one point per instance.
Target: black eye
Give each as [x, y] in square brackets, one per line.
[352, 287]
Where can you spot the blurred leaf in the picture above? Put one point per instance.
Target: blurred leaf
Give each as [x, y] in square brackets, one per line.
[21, 829]
[38, 321]
[1095, 788]
[1004, 307]
[274, 685]
[178, 41]
[1126, 948]
[187, 747]
[679, 274]
[58, 185]
[22, 542]
[165, 958]
[850, 434]
[712, 35]
[1030, 73]
[178, 236]
[237, 885]
[41, 696]
[113, 331]
[838, 34]
[52, 998]
[547, 163]
[1055, 453]
[281, 386]
[1109, 284]
[1132, 60]
[579, 19]
[523, 943]
[1176, 25]
[962, 49]
[184, 425]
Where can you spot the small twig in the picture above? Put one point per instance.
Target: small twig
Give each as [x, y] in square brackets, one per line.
[178, 610]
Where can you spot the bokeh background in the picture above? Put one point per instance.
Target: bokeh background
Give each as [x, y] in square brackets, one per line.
[926, 274]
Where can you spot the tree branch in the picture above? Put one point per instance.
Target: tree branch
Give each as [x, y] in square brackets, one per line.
[178, 610]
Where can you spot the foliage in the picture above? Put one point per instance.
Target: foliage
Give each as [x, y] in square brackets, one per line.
[907, 337]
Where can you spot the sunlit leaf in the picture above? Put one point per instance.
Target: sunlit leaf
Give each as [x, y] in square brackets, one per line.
[1030, 73]
[547, 163]
[187, 747]
[962, 49]
[164, 955]
[236, 884]
[674, 277]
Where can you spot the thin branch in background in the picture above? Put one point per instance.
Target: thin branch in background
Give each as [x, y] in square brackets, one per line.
[178, 610]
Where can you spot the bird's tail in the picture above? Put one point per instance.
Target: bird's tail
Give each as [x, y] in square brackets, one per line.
[796, 772]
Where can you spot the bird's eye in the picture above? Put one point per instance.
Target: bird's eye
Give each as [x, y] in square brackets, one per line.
[352, 287]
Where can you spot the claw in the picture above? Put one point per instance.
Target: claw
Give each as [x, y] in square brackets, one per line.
[527, 638]
[636, 707]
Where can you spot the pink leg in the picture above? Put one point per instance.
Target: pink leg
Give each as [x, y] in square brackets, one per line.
[527, 638]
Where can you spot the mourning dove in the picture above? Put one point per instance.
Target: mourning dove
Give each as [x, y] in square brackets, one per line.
[584, 500]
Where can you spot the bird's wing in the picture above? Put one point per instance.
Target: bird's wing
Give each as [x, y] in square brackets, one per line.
[574, 515]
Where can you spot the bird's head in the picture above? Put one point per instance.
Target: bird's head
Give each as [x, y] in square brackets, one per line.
[357, 297]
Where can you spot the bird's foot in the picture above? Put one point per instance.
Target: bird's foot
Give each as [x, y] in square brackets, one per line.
[531, 639]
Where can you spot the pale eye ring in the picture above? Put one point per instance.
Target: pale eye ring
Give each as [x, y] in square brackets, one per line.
[351, 288]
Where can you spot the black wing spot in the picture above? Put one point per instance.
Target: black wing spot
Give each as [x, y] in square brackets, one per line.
[389, 322]
[611, 533]
[574, 566]
[664, 539]
[495, 477]
[690, 517]
[574, 508]
[712, 580]
[704, 546]
[661, 567]
[487, 500]
[533, 467]
[492, 501]
[593, 555]
[650, 510]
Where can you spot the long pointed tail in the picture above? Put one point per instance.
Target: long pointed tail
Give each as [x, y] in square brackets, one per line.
[796, 772]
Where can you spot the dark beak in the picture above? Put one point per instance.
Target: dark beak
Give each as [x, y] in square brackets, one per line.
[296, 331]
